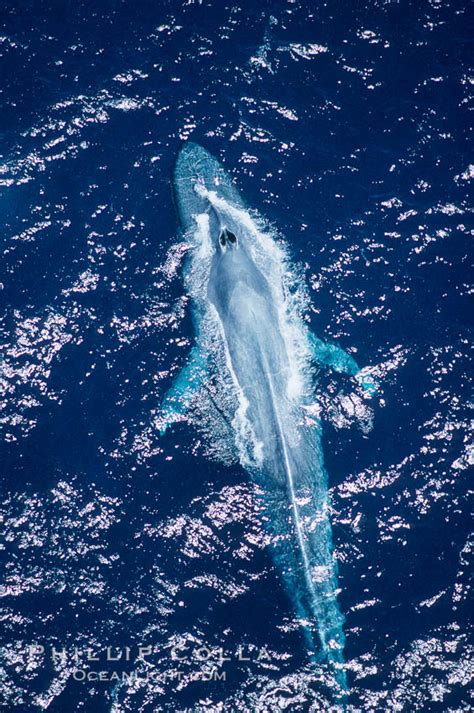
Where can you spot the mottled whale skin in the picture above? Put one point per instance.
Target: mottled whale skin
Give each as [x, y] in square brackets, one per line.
[267, 355]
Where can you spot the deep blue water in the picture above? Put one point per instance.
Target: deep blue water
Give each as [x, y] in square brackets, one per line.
[347, 127]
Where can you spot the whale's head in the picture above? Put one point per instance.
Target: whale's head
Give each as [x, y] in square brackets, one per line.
[219, 226]
[202, 185]
[224, 230]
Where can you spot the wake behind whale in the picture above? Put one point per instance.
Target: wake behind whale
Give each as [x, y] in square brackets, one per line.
[254, 345]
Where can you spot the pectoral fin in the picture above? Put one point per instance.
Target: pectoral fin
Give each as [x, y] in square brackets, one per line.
[186, 384]
[330, 355]
[369, 384]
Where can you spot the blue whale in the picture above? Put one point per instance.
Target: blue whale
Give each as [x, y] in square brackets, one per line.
[254, 344]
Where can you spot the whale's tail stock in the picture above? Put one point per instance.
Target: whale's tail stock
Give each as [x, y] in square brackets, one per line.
[297, 517]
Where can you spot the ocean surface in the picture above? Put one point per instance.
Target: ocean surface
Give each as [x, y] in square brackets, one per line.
[346, 126]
